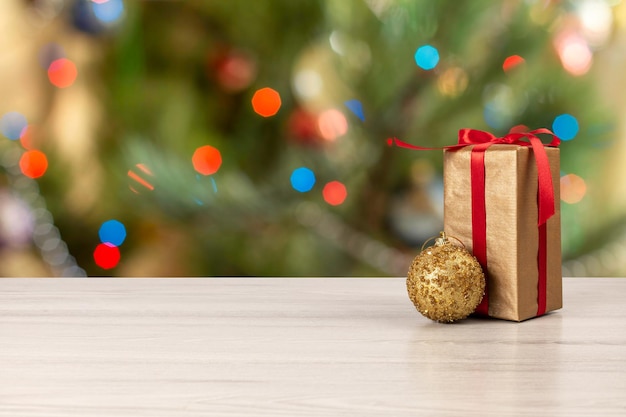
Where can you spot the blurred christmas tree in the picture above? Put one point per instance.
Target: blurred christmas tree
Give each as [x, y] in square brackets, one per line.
[248, 138]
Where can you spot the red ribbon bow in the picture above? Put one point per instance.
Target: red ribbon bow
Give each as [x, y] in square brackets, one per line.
[480, 141]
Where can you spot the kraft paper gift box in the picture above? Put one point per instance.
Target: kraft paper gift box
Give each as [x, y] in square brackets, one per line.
[514, 249]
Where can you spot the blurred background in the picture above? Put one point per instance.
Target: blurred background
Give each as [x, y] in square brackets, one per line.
[223, 138]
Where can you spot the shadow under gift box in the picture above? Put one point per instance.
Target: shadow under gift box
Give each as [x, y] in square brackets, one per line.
[512, 232]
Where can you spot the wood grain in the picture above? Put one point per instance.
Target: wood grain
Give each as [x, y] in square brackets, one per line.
[299, 347]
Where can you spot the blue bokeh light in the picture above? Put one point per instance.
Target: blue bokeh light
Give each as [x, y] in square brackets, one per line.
[356, 107]
[109, 11]
[427, 57]
[12, 124]
[112, 231]
[565, 126]
[302, 179]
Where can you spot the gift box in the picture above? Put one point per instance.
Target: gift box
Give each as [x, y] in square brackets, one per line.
[501, 199]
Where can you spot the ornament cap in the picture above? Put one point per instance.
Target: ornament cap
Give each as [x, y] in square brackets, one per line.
[442, 240]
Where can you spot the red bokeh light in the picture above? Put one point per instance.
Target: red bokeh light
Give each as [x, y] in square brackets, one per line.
[106, 255]
[62, 73]
[334, 193]
[512, 62]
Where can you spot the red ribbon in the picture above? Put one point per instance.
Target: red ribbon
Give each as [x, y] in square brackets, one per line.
[480, 142]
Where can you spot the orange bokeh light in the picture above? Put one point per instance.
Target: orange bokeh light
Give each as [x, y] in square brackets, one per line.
[206, 160]
[332, 124]
[334, 193]
[33, 163]
[62, 73]
[573, 188]
[266, 102]
[26, 137]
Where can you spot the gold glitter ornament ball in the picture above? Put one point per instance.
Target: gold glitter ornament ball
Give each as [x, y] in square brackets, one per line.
[445, 282]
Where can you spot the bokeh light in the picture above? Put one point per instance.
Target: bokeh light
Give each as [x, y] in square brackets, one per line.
[334, 193]
[452, 82]
[427, 57]
[139, 175]
[501, 105]
[198, 195]
[332, 123]
[108, 11]
[113, 232]
[62, 73]
[206, 160]
[49, 53]
[266, 102]
[565, 126]
[235, 70]
[33, 163]
[12, 124]
[596, 18]
[356, 107]
[573, 188]
[574, 52]
[302, 127]
[26, 137]
[512, 62]
[302, 179]
[106, 255]
[307, 84]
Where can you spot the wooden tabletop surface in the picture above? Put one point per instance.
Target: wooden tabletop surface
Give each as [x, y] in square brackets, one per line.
[299, 347]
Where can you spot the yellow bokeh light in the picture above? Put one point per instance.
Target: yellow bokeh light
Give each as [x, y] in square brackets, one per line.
[452, 82]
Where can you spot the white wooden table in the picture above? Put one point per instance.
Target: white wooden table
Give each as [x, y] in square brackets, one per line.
[299, 347]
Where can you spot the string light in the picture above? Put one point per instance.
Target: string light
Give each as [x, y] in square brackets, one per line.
[46, 235]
